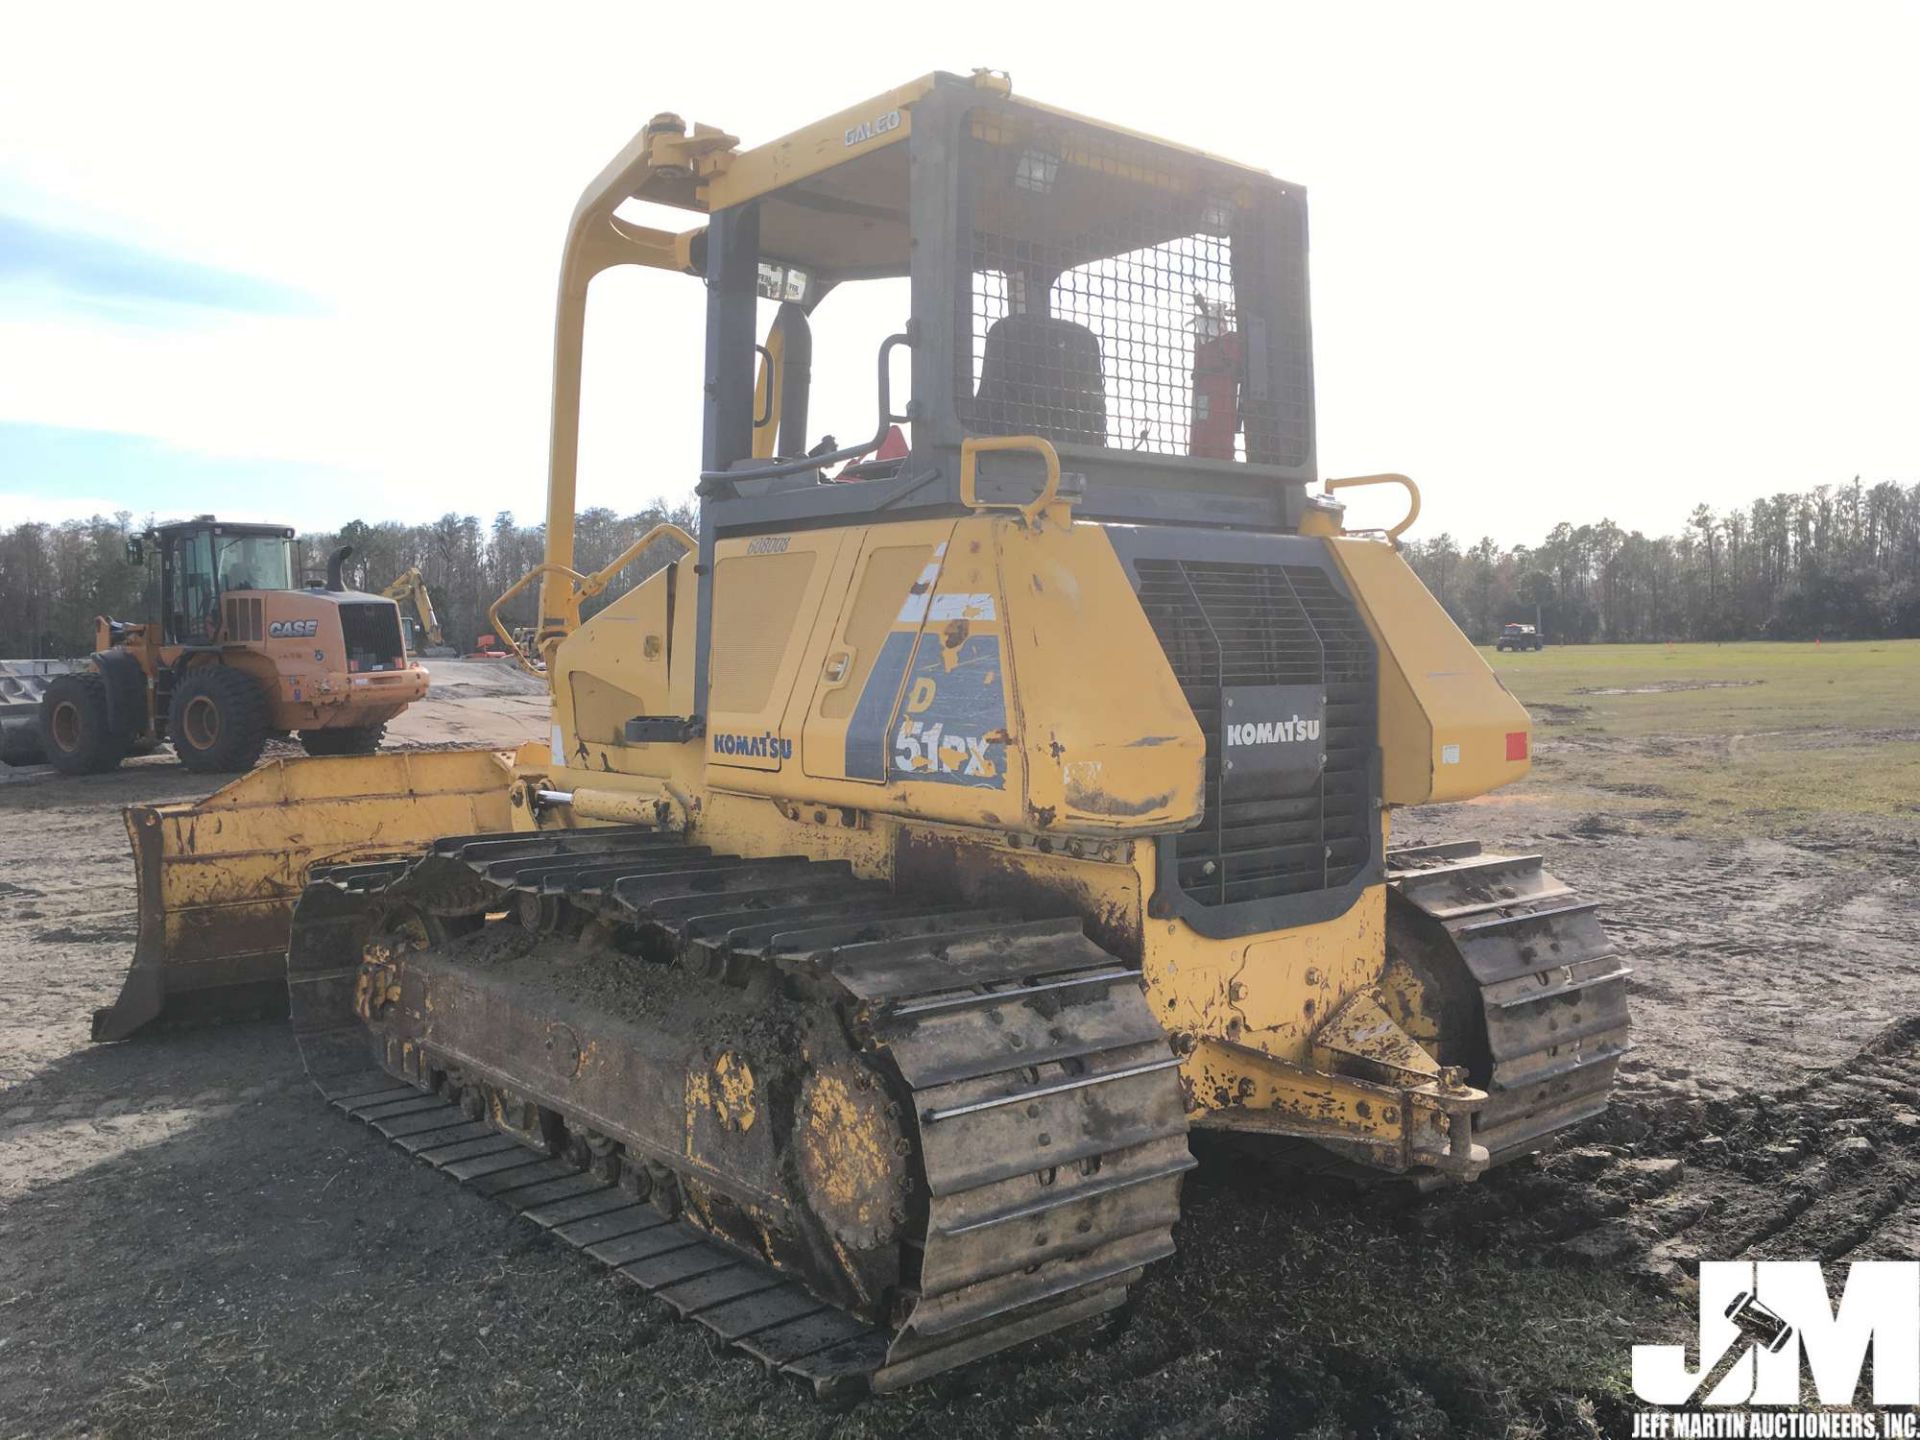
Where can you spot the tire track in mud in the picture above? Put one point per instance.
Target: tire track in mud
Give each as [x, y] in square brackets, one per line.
[1825, 1170]
[1756, 961]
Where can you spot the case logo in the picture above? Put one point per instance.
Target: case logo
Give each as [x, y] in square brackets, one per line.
[293, 629]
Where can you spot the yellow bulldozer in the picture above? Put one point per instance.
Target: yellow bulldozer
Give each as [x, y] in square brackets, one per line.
[231, 654]
[971, 813]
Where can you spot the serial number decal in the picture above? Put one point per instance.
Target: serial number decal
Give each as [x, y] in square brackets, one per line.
[870, 129]
[769, 545]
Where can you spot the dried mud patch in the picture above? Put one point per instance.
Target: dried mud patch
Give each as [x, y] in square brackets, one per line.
[1667, 687]
[1548, 713]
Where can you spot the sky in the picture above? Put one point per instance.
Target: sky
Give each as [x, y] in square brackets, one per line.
[1569, 261]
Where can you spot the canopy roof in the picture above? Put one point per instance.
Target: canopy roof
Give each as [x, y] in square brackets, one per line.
[836, 193]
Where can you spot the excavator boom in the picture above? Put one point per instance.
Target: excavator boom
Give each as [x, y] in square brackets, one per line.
[409, 591]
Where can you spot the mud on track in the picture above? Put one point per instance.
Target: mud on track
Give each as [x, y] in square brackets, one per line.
[191, 1243]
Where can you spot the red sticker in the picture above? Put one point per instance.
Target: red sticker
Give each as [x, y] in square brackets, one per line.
[1516, 745]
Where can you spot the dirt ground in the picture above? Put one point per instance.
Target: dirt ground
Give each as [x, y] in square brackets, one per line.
[191, 1243]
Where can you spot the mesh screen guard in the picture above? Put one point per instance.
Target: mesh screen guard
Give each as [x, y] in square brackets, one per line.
[1229, 627]
[1117, 293]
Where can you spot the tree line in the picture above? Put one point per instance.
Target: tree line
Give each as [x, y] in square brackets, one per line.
[55, 578]
[468, 565]
[1834, 561]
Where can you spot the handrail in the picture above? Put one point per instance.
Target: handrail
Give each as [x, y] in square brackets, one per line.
[666, 529]
[974, 446]
[584, 587]
[1413, 495]
[500, 631]
[712, 481]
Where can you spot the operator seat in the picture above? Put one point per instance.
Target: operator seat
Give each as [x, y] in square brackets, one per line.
[1042, 376]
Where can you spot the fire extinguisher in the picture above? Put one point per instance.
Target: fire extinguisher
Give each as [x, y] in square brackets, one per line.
[1216, 381]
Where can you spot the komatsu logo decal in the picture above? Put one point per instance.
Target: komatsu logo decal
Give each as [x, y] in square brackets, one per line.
[293, 629]
[758, 747]
[1274, 732]
[870, 129]
[1274, 739]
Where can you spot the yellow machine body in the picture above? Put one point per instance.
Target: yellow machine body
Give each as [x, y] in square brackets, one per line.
[1024, 733]
[962, 818]
[422, 627]
[974, 702]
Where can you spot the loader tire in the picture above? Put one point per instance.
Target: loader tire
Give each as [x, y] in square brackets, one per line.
[344, 740]
[73, 725]
[218, 720]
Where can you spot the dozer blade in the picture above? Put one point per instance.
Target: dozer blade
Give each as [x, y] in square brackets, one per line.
[218, 877]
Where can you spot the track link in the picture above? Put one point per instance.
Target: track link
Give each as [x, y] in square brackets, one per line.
[1551, 987]
[1038, 1105]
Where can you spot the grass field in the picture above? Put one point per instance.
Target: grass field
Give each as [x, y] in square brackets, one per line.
[1761, 736]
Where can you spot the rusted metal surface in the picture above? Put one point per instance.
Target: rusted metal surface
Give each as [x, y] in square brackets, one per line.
[1551, 989]
[1362, 1031]
[1421, 1128]
[1052, 881]
[217, 878]
[949, 1126]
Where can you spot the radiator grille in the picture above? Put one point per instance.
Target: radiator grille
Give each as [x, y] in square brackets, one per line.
[1225, 624]
[372, 633]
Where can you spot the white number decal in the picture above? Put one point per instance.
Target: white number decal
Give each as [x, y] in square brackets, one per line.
[918, 749]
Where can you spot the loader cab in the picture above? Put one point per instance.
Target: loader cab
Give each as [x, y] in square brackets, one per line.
[202, 560]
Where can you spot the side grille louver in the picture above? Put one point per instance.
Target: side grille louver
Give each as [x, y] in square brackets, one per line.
[1225, 624]
[244, 619]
